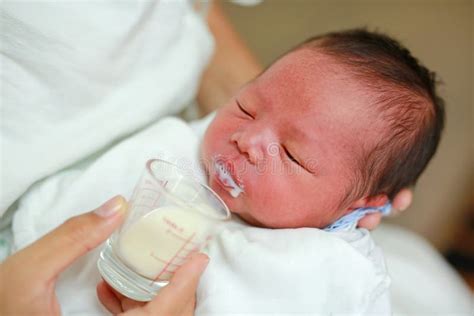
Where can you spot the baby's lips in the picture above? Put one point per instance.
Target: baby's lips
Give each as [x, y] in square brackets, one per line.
[225, 174]
[230, 166]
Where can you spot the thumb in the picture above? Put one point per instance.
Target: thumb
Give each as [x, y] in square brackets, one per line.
[61, 247]
[176, 296]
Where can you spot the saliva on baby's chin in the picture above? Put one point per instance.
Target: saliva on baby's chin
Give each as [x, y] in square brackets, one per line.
[226, 178]
[235, 192]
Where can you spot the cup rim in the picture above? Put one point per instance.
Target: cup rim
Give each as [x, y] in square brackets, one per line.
[192, 178]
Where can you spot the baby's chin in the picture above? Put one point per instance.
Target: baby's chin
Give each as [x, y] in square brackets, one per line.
[275, 223]
[262, 222]
[237, 208]
[250, 220]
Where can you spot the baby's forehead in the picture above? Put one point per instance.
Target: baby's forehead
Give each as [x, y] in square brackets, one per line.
[303, 63]
[301, 71]
[311, 82]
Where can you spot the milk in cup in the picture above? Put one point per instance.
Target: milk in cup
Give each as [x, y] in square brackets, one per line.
[159, 242]
[171, 215]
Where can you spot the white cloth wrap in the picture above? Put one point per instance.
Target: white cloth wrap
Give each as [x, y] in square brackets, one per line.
[256, 271]
[251, 270]
[78, 75]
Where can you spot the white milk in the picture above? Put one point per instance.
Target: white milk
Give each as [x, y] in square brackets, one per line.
[157, 243]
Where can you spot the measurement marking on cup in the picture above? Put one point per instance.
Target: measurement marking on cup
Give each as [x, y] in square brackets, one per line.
[189, 252]
[186, 242]
[162, 260]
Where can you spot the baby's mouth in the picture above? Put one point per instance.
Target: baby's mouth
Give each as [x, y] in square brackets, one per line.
[226, 176]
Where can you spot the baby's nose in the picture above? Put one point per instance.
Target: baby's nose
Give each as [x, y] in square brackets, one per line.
[251, 144]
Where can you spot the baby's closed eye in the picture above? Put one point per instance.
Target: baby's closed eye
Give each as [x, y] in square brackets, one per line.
[242, 109]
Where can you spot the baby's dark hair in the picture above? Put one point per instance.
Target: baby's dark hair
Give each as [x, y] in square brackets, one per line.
[406, 99]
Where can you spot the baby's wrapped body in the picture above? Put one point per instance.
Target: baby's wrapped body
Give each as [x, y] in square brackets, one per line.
[251, 271]
[255, 271]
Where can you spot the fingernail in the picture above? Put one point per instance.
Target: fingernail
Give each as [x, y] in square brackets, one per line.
[111, 207]
[201, 258]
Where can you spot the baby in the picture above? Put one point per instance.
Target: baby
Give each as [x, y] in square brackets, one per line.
[341, 122]
[344, 121]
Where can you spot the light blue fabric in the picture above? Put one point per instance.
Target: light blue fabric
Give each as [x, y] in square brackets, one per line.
[350, 220]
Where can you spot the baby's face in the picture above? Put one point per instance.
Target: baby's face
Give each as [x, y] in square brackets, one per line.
[291, 139]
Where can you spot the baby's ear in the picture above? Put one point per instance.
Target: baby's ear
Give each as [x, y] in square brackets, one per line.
[370, 201]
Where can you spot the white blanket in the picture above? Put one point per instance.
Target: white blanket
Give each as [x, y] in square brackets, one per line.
[252, 271]
[77, 75]
[302, 271]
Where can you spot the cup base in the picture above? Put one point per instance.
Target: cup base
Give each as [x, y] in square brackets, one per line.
[123, 279]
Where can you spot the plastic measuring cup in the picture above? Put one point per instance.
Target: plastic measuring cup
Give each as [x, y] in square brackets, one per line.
[171, 215]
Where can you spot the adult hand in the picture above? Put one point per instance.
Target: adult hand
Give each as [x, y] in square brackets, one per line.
[177, 298]
[28, 278]
[400, 203]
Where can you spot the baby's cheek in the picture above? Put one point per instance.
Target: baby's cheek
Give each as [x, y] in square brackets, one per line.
[266, 200]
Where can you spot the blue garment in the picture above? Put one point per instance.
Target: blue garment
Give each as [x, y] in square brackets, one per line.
[350, 220]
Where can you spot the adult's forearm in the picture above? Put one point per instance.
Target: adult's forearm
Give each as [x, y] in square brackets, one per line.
[232, 64]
